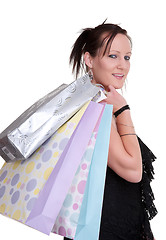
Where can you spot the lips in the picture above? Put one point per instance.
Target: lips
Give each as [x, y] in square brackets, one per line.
[118, 75]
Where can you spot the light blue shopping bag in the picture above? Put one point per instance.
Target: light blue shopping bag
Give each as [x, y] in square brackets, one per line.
[89, 220]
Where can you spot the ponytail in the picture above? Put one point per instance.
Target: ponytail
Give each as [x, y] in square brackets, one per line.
[78, 50]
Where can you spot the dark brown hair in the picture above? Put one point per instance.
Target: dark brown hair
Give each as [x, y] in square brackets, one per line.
[90, 40]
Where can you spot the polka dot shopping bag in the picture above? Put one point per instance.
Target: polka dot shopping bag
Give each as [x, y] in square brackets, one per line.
[25, 186]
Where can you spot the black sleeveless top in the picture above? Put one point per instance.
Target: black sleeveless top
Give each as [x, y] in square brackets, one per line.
[128, 207]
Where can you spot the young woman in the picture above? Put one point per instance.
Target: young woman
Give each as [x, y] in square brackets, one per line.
[128, 206]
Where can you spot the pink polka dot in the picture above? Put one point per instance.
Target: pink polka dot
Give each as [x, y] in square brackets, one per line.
[73, 188]
[69, 231]
[8, 181]
[81, 187]
[84, 166]
[41, 150]
[75, 206]
[62, 231]
[90, 142]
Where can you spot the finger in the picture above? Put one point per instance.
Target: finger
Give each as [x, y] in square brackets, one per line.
[111, 88]
[103, 101]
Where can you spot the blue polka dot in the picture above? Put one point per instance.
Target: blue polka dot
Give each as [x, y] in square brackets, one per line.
[67, 213]
[88, 154]
[63, 143]
[74, 218]
[2, 191]
[11, 191]
[3, 175]
[27, 197]
[15, 179]
[46, 155]
[68, 201]
[38, 166]
[31, 185]
[31, 203]
[54, 145]
[15, 197]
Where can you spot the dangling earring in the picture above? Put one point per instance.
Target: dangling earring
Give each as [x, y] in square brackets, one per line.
[90, 73]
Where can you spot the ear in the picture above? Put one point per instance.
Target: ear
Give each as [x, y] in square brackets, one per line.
[88, 59]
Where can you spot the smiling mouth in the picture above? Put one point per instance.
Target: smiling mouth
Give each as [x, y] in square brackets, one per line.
[118, 76]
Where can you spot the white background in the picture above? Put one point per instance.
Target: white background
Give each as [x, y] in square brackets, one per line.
[35, 42]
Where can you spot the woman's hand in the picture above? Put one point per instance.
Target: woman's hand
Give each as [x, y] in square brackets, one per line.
[114, 98]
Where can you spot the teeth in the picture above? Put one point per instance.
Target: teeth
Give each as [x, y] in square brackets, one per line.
[118, 75]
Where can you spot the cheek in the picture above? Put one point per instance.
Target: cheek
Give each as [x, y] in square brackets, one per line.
[99, 69]
[128, 66]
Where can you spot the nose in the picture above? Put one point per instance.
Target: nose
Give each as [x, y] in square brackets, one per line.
[123, 64]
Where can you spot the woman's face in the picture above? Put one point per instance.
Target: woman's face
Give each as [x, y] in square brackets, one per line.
[113, 67]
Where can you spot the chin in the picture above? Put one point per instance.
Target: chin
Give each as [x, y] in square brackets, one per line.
[120, 86]
[115, 85]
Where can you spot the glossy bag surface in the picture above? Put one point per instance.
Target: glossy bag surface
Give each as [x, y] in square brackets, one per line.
[30, 130]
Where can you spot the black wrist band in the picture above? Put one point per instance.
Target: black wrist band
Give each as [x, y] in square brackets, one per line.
[121, 110]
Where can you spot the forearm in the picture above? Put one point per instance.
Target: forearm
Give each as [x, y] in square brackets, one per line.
[128, 136]
[124, 151]
[126, 130]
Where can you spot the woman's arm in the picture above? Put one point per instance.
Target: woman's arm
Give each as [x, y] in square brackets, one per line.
[124, 151]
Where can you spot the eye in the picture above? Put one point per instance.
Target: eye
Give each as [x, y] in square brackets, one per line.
[127, 58]
[113, 56]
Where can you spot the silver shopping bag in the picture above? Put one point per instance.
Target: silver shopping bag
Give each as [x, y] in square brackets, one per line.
[30, 130]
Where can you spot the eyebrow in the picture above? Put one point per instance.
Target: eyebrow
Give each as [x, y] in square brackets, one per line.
[119, 52]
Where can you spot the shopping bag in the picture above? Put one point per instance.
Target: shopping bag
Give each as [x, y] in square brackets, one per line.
[21, 181]
[52, 196]
[70, 223]
[67, 220]
[90, 215]
[21, 138]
